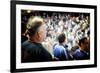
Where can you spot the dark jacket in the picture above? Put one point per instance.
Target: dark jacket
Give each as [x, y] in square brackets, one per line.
[34, 52]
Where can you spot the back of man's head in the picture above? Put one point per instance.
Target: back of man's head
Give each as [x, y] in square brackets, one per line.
[61, 38]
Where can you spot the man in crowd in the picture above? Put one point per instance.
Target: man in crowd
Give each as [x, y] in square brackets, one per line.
[83, 51]
[32, 49]
[60, 50]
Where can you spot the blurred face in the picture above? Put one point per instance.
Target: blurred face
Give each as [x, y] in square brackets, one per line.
[85, 46]
[42, 33]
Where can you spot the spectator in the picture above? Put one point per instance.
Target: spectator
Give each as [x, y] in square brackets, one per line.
[83, 51]
[60, 51]
[32, 49]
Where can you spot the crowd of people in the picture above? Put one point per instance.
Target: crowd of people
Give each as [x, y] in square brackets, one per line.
[49, 36]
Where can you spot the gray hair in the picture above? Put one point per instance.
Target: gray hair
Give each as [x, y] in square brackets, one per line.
[33, 24]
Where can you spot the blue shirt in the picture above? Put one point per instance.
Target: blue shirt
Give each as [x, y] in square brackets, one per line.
[60, 52]
[80, 55]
